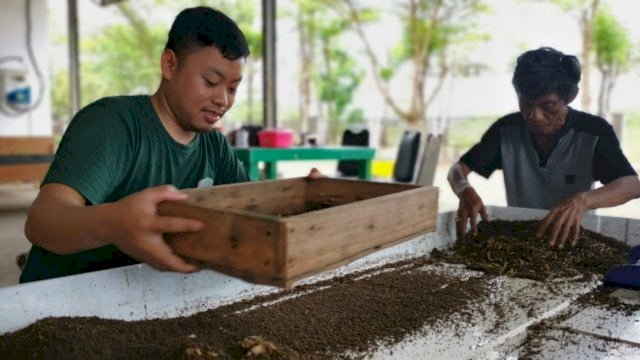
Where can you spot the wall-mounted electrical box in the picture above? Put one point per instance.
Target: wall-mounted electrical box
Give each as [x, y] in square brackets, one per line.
[15, 91]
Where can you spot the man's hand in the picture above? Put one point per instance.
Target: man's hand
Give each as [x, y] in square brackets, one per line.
[315, 174]
[468, 209]
[563, 221]
[137, 229]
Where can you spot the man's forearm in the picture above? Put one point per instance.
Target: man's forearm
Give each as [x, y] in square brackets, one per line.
[457, 178]
[614, 193]
[64, 228]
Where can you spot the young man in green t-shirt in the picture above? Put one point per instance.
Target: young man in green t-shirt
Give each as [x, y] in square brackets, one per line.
[122, 156]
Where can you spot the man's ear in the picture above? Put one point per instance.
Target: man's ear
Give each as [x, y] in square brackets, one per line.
[572, 96]
[168, 64]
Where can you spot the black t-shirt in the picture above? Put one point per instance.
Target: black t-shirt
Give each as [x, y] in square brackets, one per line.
[587, 150]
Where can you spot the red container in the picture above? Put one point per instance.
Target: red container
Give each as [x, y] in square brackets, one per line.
[275, 138]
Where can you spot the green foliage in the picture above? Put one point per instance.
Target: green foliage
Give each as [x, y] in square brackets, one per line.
[121, 59]
[335, 75]
[386, 73]
[124, 58]
[239, 115]
[611, 43]
[356, 116]
[434, 34]
[115, 63]
[630, 136]
[369, 15]
[464, 134]
[442, 28]
[254, 39]
[568, 5]
[339, 86]
[60, 102]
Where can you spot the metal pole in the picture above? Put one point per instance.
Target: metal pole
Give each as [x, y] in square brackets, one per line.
[74, 58]
[269, 87]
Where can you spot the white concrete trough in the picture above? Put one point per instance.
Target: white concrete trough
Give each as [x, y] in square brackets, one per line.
[139, 292]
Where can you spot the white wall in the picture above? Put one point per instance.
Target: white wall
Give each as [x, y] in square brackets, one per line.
[13, 33]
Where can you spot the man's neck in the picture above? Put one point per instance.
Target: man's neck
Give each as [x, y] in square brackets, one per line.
[545, 143]
[169, 121]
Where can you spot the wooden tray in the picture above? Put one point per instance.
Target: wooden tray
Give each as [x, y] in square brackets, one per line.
[276, 232]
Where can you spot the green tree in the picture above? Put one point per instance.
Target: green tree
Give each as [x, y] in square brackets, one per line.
[245, 14]
[432, 28]
[124, 58]
[337, 82]
[305, 17]
[60, 100]
[255, 39]
[120, 59]
[328, 76]
[586, 12]
[337, 79]
[613, 50]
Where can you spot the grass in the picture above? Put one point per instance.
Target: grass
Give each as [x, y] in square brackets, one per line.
[630, 136]
[464, 134]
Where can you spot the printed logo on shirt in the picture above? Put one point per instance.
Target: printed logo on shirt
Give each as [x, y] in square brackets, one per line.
[205, 183]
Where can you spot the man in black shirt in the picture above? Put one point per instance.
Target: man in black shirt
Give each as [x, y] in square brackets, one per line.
[550, 154]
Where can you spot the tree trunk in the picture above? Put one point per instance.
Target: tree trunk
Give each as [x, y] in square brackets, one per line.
[586, 26]
[610, 85]
[331, 117]
[601, 93]
[306, 64]
[617, 121]
[250, 96]
[607, 100]
[606, 87]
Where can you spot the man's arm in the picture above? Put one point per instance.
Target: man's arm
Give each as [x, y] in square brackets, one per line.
[470, 205]
[615, 193]
[60, 222]
[563, 221]
[457, 178]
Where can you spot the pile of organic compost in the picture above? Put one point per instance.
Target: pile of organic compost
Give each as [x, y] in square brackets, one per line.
[512, 248]
[352, 314]
[344, 317]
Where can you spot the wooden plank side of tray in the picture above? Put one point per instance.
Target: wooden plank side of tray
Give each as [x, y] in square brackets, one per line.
[264, 197]
[344, 191]
[325, 239]
[240, 245]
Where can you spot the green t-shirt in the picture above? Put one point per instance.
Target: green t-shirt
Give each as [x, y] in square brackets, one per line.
[117, 146]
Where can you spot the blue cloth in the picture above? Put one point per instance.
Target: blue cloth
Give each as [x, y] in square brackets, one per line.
[634, 255]
[626, 276]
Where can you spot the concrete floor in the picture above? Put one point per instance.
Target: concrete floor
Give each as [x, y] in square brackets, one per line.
[14, 202]
[16, 198]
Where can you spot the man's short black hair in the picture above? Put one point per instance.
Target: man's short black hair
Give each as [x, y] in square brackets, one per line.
[546, 70]
[203, 26]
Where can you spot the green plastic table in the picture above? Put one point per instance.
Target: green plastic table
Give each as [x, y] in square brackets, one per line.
[252, 156]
